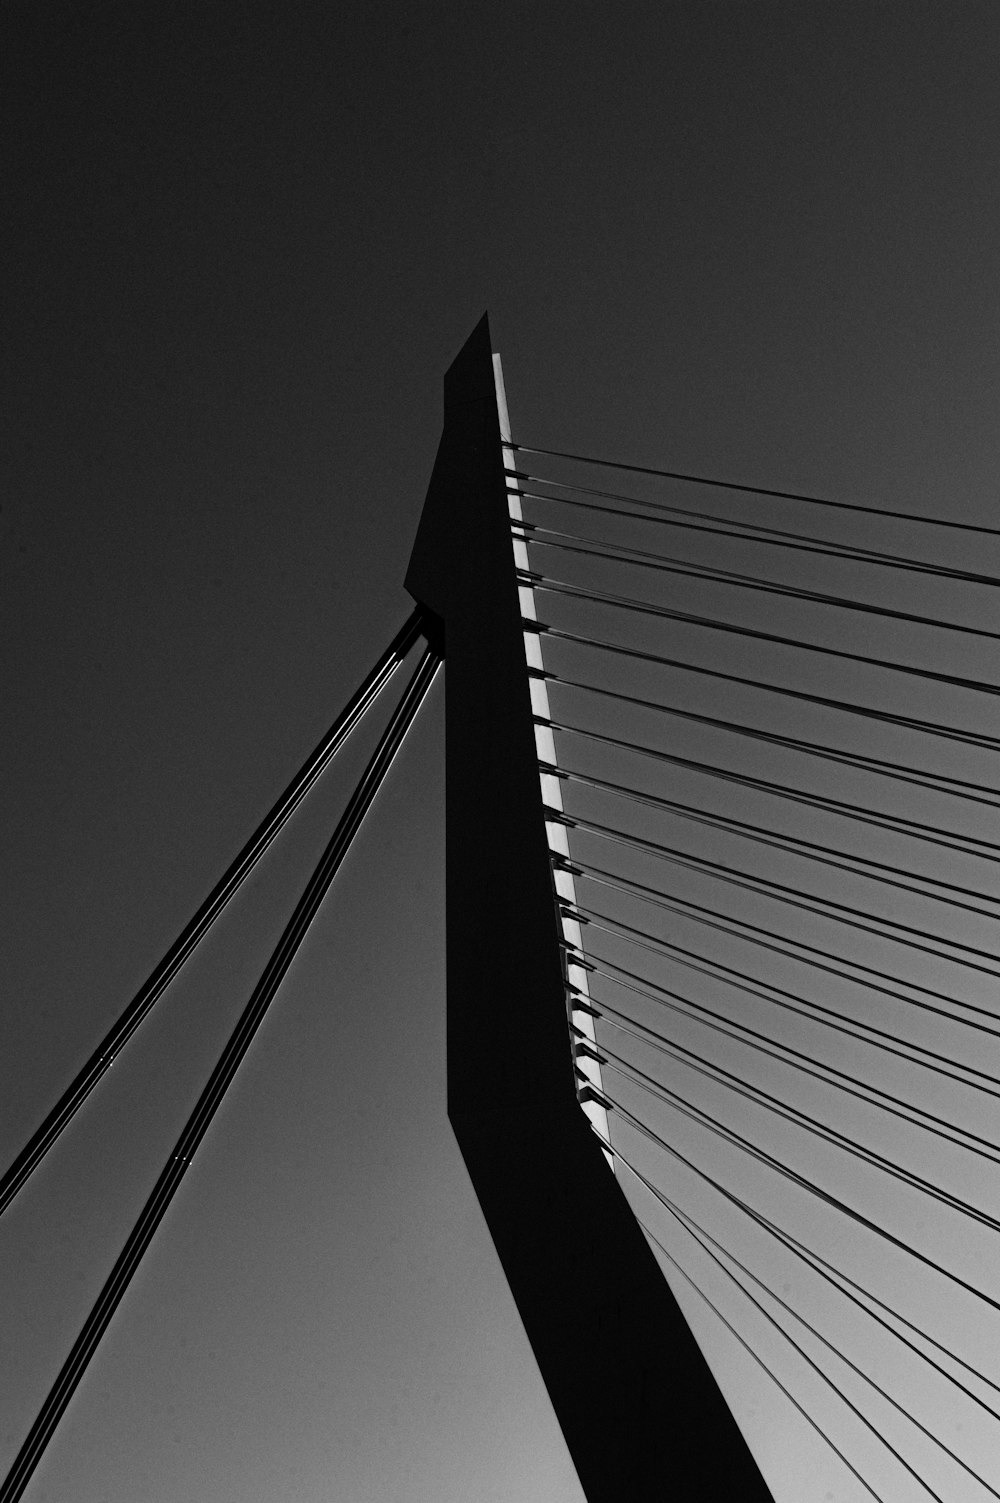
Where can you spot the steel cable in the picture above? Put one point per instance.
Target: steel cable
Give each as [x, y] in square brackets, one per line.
[73, 1368]
[554, 586]
[752, 883]
[704, 1238]
[878, 766]
[760, 1097]
[760, 490]
[733, 926]
[762, 1043]
[891, 929]
[862, 813]
[775, 537]
[721, 971]
[76, 1093]
[837, 1279]
[832, 1275]
[843, 706]
[755, 1355]
[803, 1182]
[664, 564]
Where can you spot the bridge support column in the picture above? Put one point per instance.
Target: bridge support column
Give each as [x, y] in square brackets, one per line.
[640, 1410]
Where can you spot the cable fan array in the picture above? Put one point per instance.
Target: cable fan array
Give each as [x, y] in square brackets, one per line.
[767, 729]
[61, 1114]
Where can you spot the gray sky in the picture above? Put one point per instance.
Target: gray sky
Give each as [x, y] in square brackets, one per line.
[754, 240]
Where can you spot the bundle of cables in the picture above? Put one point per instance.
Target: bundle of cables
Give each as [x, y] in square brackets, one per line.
[767, 729]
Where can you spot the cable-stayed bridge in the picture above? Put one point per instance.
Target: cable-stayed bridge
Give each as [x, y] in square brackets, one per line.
[721, 1007]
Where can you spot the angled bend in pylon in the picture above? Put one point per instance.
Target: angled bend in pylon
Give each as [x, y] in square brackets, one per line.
[640, 1410]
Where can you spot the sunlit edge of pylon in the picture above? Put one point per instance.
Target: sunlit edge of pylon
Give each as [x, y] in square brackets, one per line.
[587, 1068]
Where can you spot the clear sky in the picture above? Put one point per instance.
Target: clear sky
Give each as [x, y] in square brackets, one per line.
[756, 240]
